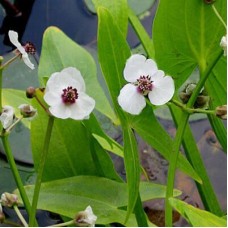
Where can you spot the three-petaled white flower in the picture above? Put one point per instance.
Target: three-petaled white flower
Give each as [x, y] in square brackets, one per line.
[145, 79]
[223, 44]
[86, 218]
[7, 116]
[13, 36]
[65, 94]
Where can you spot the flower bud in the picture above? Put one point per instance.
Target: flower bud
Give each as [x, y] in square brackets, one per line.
[202, 99]
[221, 112]
[27, 111]
[9, 200]
[30, 92]
[85, 218]
[7, 116]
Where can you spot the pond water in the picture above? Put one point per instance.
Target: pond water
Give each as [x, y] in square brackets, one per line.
[78, 23]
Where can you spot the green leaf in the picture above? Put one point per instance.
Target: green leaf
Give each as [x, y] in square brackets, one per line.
[118, 9]
[216, 86]
[112, 65]
[59, 51]
[183, 41]
[139, 7]
[72, 150]
[197, 217]
[142, 34]
[71, 195]
[147, 126]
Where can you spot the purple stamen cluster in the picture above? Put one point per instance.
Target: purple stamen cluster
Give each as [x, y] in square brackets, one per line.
[144, 84]
[69, 95]
[30, 48]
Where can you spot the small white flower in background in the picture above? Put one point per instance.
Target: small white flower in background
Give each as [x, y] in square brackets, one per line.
[27, 111]
[13, 36]
[65, 94]
[223, 44]
[9, 200]
[144, 79]
[86, 218]
[7, 116]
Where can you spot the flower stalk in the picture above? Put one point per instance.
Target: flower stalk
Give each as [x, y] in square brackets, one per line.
[20, 216]
[15, 172]
[218, 16]
[43, 157]
[192, 110]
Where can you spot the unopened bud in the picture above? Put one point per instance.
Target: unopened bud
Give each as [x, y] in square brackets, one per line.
[30, 92]
[9, 200]
[85, 218]
[202, 99]
[221, 112]
[27, 111]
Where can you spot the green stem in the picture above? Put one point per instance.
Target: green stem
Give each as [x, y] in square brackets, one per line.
[20, 216]
[71, 222]
[192, 110]
[7, 131]
[179, 135]
[218, 15]
[43, 157]
[9, 61]
[172, 167]
[15, 172]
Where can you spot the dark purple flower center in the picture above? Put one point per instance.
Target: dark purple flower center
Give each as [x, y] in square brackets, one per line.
[69, 95]
[144, 84]
[30, 48]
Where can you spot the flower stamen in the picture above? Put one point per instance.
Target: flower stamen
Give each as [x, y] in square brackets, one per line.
[30, 48]
[69, 95]
[144, 85]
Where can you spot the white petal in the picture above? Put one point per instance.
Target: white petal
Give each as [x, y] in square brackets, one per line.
[60, 111]
[13, 37]
[82, 108]
[130, 100]
[27, 61]
[137, 65]
[162, 91]
[52, 98]
[75, 74]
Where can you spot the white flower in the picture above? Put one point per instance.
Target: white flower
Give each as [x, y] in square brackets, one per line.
[7, 116]
[223, 44]
[86, 218]
[65, 94]
[145, 79]
[27, 111]
[13, 36]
